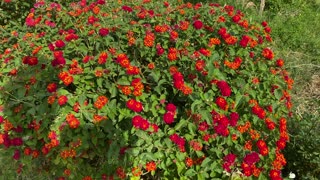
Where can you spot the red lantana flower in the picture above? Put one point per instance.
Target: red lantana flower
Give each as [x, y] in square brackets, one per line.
[197, 24]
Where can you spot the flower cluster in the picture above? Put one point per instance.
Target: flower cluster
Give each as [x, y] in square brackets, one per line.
[68, 153]
[62, 100]
[72, 121]
[228, 160]
[258, 111]
[222, 103]
[124, 62]
[178, 83]
[140, 123]
[54, 142]
[263, 148]
[224, 88]
[66, 78]
[137, 86]
[168, 117]
[151, 166]
[30, 60]
[249, 164]
[179, 141]
[100, 102]
[221, 123]
[134, 105]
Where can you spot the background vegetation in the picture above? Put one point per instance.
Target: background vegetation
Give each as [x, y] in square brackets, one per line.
[295, 26]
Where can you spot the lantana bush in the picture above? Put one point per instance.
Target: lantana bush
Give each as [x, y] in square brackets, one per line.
[144, 90]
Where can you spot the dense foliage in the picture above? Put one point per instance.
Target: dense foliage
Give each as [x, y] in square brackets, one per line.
[14, 11]
[144, 90]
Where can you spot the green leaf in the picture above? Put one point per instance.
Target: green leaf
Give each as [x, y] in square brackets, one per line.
[199, 153]
[180, 167]
[278, 93]
[62, 92]
[232, 52]
[113, 91]
[143, 135]
[31, 111]
[203, 175]
[159, 155]
[155, 76]
[87, 116]
[168, 142]
[135, 178]
[192, 128]
[181, 156]
[148, 156]
[114, 151]
[168, 162]
[196, 104]
[262, 177]
[99, 82]
[140, 142]
[82, 98]
[182, 123]
[238, 99]
[134, 151]
[205, 162]
[206, 115]
[123, 81]
[57, 161]
[94, 140]
[159, 86]
[21, 93]
[190, 172]
[213, 174]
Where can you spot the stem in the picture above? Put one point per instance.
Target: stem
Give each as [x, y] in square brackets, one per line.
[17, 100]
[262, 4]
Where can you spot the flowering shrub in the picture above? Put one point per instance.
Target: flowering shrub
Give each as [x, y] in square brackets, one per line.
[148, 89]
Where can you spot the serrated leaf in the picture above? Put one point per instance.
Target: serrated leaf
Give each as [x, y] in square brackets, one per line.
[190, 172]
[21, 92]
[238, 99]
[113, 91]
[123, 81]
[192, 128]
[94, 140]
[205, 162]
[57, 161]
[155, 75]
[205, 114]
[159, 86]
[182, 123]
[81, 99]
[196, 104]
[149, 156]
[140, 142]
[159, 155]
[278, 93]
[180, 167]
[99, 82]
[63, 91]
[168, 142]
[180, 156]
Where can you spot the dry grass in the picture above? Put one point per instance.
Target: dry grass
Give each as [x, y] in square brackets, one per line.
[309, 97]
[305, 71]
